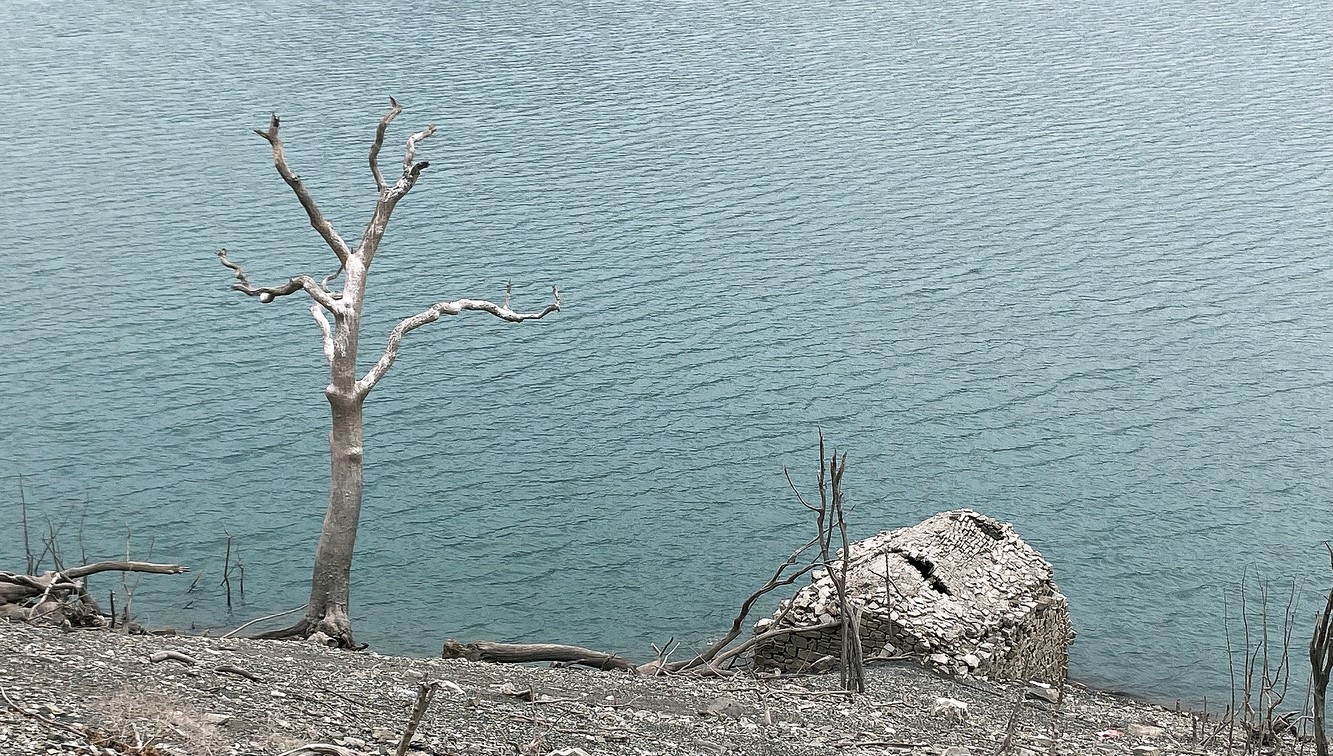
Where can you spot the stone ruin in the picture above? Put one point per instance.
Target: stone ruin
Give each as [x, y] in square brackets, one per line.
[959, 592]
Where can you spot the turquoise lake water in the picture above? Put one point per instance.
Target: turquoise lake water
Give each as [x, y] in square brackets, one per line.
[1066, 264]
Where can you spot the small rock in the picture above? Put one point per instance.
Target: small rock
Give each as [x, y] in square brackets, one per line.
[216, 719]
[1147, 732]
[384, 735]
[957, 751]
[1145, 750]
[1044, 692]
[938, 660]
[724, 706]
[1109, 734]
[949, 708]
[323, 640]
[971, 660]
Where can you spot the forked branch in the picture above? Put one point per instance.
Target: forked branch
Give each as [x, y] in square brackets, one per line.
[317, 220]
[267, 294]
[390, 195]
[411, 169]
[434, 313]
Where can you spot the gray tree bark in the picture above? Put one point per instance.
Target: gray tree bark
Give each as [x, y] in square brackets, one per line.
[329, 608]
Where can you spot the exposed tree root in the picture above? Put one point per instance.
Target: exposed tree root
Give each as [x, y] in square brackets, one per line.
[332, 629]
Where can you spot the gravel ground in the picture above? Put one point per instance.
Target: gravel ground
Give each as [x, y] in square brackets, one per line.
[88, 692]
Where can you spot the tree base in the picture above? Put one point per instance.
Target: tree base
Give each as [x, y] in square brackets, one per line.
[332, 628]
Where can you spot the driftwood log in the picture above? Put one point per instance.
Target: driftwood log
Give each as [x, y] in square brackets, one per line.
[518, 653]
[57, 597]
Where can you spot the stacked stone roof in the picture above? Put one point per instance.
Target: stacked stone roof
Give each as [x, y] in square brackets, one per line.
[960, 592]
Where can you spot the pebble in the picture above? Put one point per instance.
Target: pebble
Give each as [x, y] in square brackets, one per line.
[949, 708]
[723, 706]
[1147, 732]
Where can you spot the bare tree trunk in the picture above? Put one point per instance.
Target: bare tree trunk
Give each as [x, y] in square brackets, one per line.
[328, 610]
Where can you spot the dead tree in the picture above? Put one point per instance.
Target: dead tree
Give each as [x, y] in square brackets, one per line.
[1321, 664]
[830, 520]
[337, 312]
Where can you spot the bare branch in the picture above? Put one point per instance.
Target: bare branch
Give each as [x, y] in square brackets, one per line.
[799, 497]
[409, 168]
[267, 294]
[317, 220]
[434, 313]
[261, 619]
[774, 633]
[74, 573]
[326, 280]
[325, 330]
[389, 197]
[773, 583]
[394, 110]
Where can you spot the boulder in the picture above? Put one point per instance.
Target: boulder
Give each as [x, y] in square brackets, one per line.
[959, 592]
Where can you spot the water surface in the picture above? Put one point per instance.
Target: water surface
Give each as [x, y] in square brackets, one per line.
[1064, 264]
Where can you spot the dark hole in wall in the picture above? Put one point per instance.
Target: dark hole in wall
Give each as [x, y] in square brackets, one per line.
[991, 529]
[927, 570]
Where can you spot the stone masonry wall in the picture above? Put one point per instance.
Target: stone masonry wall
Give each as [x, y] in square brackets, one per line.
[959, 592]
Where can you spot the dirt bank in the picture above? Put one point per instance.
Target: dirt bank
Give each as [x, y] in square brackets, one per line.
[99, 693]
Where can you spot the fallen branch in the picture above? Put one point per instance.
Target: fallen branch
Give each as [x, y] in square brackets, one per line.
[518, 653]
[320, 749]
[160, 656]
[228, 669]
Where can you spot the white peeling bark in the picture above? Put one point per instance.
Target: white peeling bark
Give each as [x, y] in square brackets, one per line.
[325, 330]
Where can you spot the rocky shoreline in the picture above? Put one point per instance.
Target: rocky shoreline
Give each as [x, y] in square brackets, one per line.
[104, 693]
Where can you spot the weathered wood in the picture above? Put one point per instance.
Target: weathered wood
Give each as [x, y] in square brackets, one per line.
[157, 657]
[59, 596]
[517, 653]
[74, 573]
